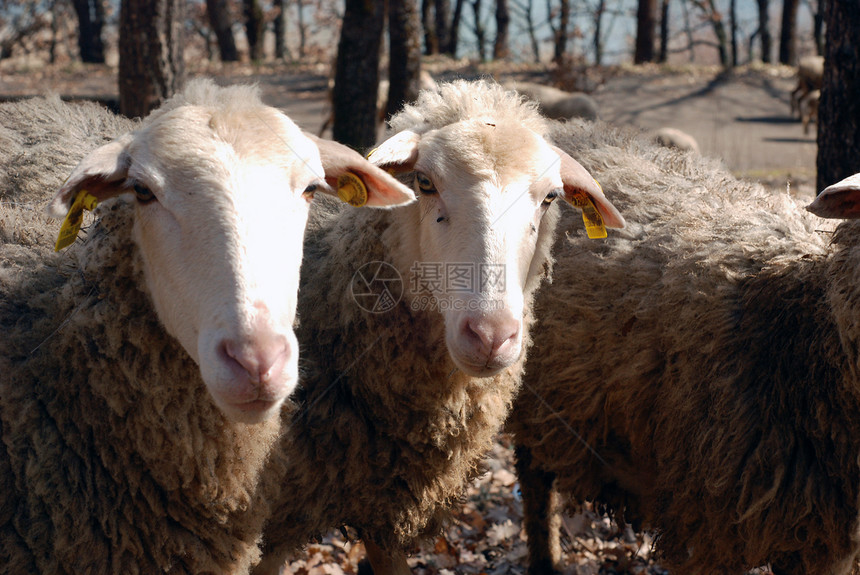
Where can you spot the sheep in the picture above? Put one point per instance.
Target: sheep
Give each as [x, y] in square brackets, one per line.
[675, 138]
[397, 408]
[809, 109]
[706, 385]
[810, 76]
[558, 104]
[142, 370]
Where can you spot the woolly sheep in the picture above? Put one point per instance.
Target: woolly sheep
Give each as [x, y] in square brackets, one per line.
[809, 109]
[705, 385]
[130, 363]
[558, 104]
[810, 76]
[397, 409]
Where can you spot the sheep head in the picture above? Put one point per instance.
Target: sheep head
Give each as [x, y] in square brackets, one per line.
[222, 187]
[485, 187]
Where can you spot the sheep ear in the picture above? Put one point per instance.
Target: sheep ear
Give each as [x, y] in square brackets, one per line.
[578, 183]
[398, 153]
[100, 173]
[841, 200]
[380, 188]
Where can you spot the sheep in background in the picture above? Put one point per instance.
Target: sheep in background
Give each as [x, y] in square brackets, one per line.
[706, 383]
[675, 138]
[810, 77]
[557, 104]
[132, 364]
[809, 109]
[31, 130]
[397, 409]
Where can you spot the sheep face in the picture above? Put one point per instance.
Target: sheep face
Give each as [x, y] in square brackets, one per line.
[484, 188]
[221, 205]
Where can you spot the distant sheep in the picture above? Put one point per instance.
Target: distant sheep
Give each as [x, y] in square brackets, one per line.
[809, 109]
[675, 138]
[397, 409]
[810, 77]
[705, 385]
[557, 104]
[132, 364]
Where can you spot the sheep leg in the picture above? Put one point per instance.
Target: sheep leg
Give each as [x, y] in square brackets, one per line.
[541, 518]
[386, 561]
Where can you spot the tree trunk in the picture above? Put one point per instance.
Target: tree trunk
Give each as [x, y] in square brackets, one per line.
[404, 67]
[443, 23]
[561, 31]
[454, 32]
[788, 33]
[300, 16]
[818, 26]
[282, 51]
[733, 16]
[645, 20]
[839, 109]
[151, 66]
[764, 30]
[431, 42]
[90, 22]
[503, 20]
[254, 28]
[356, 82]
[480, 33]
[221, 22]
[664, 32]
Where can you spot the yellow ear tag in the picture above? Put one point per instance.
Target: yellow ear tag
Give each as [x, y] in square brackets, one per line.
[72, 224]
[351, 190]
[592, 219]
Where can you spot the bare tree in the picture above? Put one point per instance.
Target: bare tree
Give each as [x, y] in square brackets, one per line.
[454, 32]
[559, 31]
[664, 31]
[733, 17]
[303, 28]
[404, 66]
[479, 31]
[818, 25]
[503, 20]
[525, 10]
[443, 23]
[151, 66]
[356, 82]
[254, 27]
[764, 30]
[839, 110]
[715, 18]
[788, 33]
[645, 28]
[282, 51]
[221, 22]
[91, 19]
[431, 41]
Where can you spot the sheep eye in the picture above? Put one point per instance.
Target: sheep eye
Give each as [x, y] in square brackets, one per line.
[550, 198]
[308, 194]
[424, 183]
[144, 195]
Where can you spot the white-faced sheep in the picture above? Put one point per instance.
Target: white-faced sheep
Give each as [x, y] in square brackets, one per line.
[396, 409]
[706, 384]
[558, 104]
[132, 364]
[810, 77]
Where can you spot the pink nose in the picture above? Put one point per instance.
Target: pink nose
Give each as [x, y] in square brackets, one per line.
[489, 337]
[261, 361]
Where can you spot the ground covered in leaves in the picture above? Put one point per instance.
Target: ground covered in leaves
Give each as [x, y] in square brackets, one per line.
[487, 538]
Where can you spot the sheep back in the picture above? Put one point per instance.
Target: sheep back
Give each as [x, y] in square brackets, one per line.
[700, 387]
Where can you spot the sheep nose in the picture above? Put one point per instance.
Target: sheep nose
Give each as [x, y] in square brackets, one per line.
[491, 337]
[260, 360]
